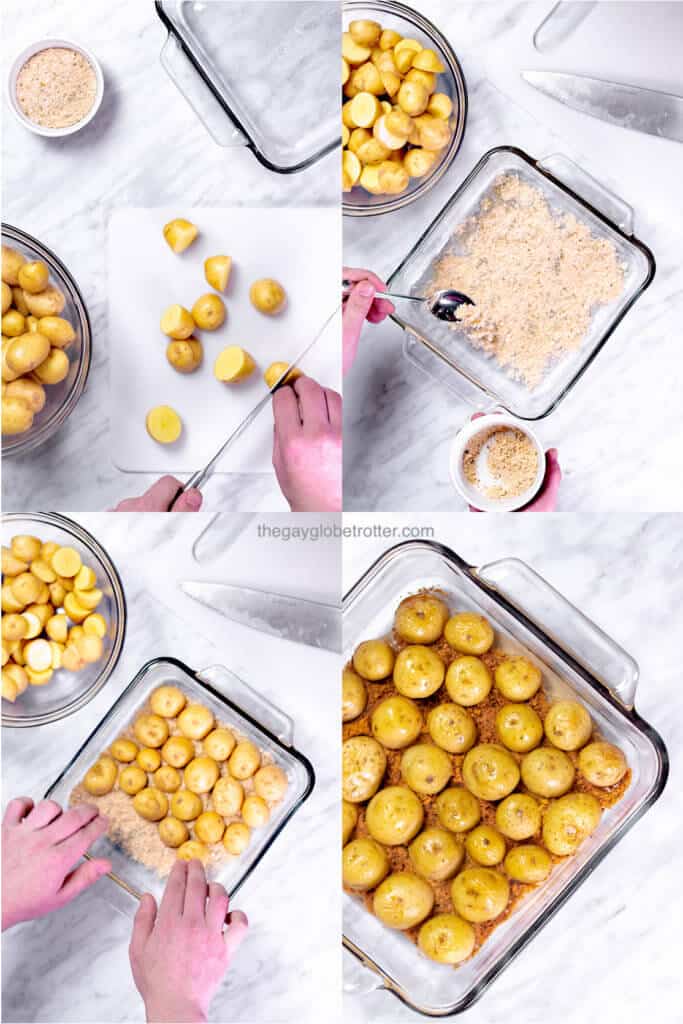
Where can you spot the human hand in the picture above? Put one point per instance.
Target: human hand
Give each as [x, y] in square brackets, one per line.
[40, 845]
[307, 446]
[159, 496]
[359, 305]
[180, 952]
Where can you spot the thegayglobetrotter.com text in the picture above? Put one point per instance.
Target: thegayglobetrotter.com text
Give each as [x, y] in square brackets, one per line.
[326, 531]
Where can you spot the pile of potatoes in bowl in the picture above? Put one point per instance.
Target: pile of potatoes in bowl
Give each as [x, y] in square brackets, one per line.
[395, 122]
[34, 339]
[201, 784]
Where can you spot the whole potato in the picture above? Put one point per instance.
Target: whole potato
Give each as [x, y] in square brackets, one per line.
[33, 277]
[13, 324]
[19, 301]
[519, 727]
[420, 619]
[396, 722]
[227, 796]
[602, 764]
[570, 820]
[433, 132]
[27, 352]
[403, 900]
[208, 312]
[6, 297]
[12, 262]
[150, 730]
[568, 725]
[132, 779]
[373, 659]
[517, 678]
[101, 777]
[151, 804]
[185, 356]
[436, 854]
[173, 832]
[201, 774]
[446, 938]
[518, 816]
[167, 701]
[354, 695]
[490, 772]
[268, 296]
[349, 820]
[457, 809]
[452, 728]
[50, 302]
[17, 418]
[57, 330]
[426, 768]
[270, 783]
[393, 177]
[528, 863]
[364, 864]
[413, 98]
[468, 681]
[54, 369]
[244, 760]
[418, 672]
[363, 765]
[480, 894]
[219, 744]
[469, 633]
[394, 816]
[547, 772]
[29, 391]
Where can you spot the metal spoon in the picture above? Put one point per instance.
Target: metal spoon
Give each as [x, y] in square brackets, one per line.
[444, 305]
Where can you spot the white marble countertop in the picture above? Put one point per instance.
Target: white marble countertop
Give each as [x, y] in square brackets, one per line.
[617, 432]
[146, 147]
[611, 953]
[73, 965]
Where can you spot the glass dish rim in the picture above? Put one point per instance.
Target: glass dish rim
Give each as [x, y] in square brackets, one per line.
[554, 905]
[188, 51]
[632, 240]
[292, 751]
[455, 67]
[62, 412]
[86, 538]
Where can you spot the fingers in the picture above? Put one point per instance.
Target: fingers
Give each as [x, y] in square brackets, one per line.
[195, 892]
[216, 907]
[235, 933]
[143, 924]
[41, 815]
[355, 274]
[17, 810]
[174, 894]
[159, 496]
[286, 414]
[334, 408]
[82, 878]
[70, 822]
[312, 403]
[356, 309]
[189, 501]
[80, 842]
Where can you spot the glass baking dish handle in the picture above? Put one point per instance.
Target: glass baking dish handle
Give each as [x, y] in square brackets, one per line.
[421, 355]
[256, 706]
[191, 85]
[565, 624]
[589, 189]
[359, 978]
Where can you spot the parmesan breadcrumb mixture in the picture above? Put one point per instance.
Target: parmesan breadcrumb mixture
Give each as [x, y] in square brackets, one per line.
[536, 277]
[510, 462]
[56, 87]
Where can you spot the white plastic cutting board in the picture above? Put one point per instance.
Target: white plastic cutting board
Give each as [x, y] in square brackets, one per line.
[299, 247]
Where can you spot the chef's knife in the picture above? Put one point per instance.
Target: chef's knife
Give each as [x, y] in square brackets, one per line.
[627, 106]
[198, 479]
[290, 618]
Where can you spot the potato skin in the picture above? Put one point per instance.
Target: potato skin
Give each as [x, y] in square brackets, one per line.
[185, 356]
[268, 296]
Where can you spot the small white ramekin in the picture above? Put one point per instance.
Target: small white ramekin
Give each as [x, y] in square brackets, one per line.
[17, 65]
[462, 485]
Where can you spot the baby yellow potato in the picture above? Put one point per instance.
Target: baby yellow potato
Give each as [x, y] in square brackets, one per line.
[33, 277]
[19, 301]
[403, 60]
[163, 424]
[186, 805]
[57, 651]
[209, 827]
[393, 178]
[42, 611]
[178, 751]
[196, 721]
[201, 774]
[35, 626]
[440, 105]
[389, 38]
[14, 681]
[419, 162]
[76, 612]
[244, 760]
[9, 688]
[50, 302]
[26, 352]
[428, 60]
[425, 77]
[273, 373]
[57, 593]
[232, 364]
[38, 654]
[236, 838]
[219, 744]
[268, 296]
[17, 418]
[90, 648]
[71, 659]
[31, 392]
[36, 678]
[9, 601]
[151, 804]
[344, 77]
[12, 262]
[54, 369]
[151, 730]
[14, 627]
[345, 135]
[255, 811]
[85, 578]
[386, 137]
[217, 271]
[11, 564]
[193, 850]
[57, 330]
[167, 779]
[177, 322]
[173, 832]
[167, 701]
[270, 783]
[433, 132]
[66, 562]
[351, 168]
[88, 599]
[124, 750]
[32, 324]
[365, 78]
[209, 312]
[357, 137]
[148, 759]
[26, 587]
[75, 633]
[373, 151]
[100, 779]
[391, 81]
[365, 109]
[352, 52]
[365, 32]
[180, 234]
[6, 297]
[13, 324]
[132, 779]
[413, 98]
[346, 115]
[227, 796]
[8, 374]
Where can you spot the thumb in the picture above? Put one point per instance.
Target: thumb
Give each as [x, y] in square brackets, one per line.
[82, 877]
[236, 931]
[356, 309]
[189, 501]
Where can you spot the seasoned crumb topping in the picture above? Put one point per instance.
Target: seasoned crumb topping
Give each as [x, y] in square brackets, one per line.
[500, 462]
[56, 87]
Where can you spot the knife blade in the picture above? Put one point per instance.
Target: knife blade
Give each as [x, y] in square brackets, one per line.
[627, 106]
[281, 615]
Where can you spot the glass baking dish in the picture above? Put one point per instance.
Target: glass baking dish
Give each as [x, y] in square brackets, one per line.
[68, 692]
[414, 25]
[444, 351]
[234, 704]
[577, 659]
[259, 74]
[61, 398]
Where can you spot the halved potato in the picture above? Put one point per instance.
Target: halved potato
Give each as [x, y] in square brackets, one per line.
[163, 424]
[180, 234]
[233, 363]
